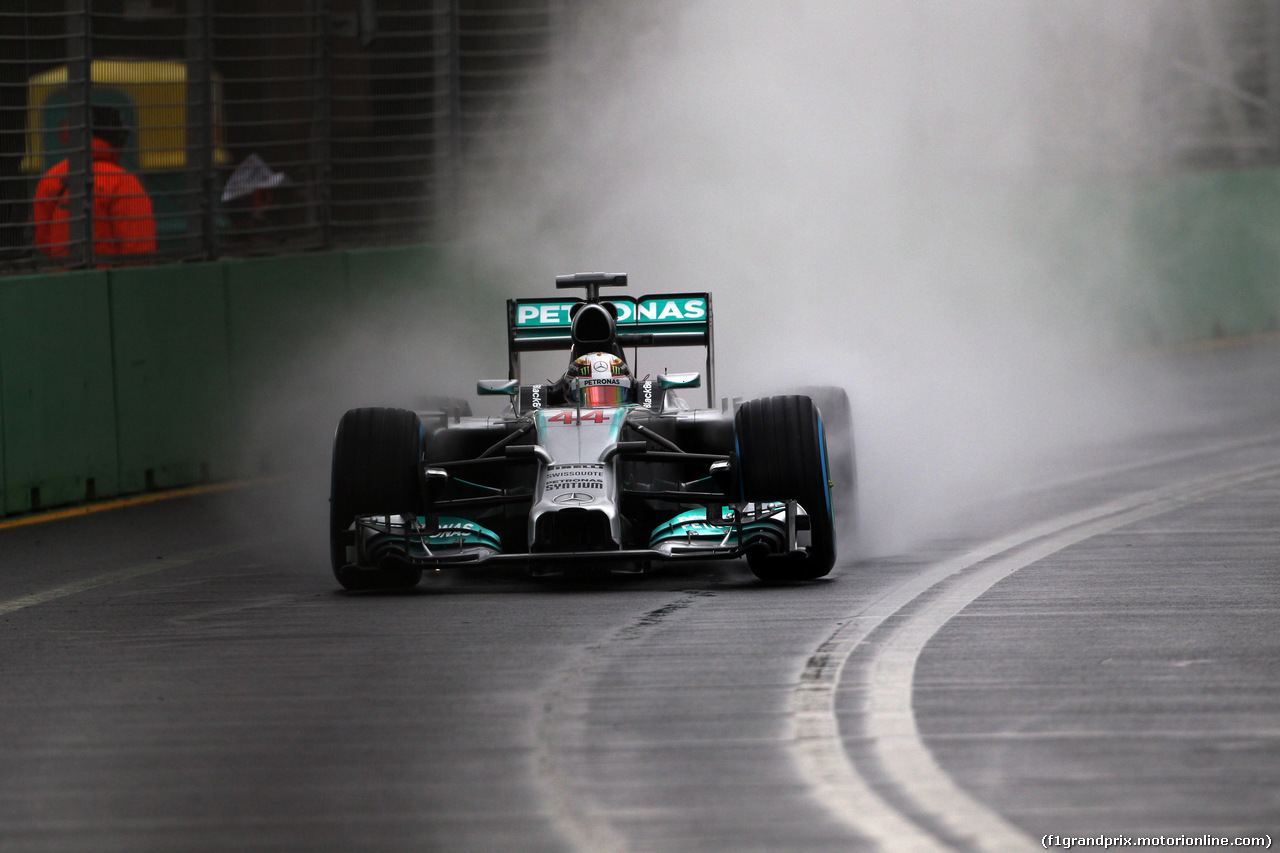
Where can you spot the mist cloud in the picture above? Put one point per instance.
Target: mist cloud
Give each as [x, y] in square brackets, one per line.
[865, 189]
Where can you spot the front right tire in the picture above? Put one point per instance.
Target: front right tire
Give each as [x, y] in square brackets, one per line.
[375, 472]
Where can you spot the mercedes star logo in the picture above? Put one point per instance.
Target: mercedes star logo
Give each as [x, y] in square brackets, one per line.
[573, 498]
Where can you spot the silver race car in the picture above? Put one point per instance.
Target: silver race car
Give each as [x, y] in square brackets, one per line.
[599, 470]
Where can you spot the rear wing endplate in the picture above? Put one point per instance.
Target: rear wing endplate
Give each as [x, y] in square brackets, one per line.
[658, 320]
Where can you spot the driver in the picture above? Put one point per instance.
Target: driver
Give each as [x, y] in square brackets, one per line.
[597, 380]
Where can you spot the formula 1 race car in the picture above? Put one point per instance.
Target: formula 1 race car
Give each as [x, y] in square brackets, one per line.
[599, 470]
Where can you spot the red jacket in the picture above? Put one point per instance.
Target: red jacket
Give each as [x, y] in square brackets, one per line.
[122, 219]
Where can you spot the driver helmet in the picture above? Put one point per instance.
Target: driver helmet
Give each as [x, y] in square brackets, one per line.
[598, 379]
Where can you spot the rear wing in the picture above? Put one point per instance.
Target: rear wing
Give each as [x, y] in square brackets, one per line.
[659, 320]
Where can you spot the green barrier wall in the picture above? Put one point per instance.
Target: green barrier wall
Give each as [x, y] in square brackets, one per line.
[60, 441]
[118, 381]
[1213, 242]
[172, 375]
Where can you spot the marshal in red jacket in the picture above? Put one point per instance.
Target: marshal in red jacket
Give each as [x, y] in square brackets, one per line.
[123, 223]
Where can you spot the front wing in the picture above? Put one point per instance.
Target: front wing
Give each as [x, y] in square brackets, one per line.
[691, 535]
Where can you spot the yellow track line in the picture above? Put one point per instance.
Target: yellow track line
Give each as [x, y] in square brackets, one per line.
[152, 497]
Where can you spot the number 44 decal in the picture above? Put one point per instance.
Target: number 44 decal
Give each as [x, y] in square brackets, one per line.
[569, 417]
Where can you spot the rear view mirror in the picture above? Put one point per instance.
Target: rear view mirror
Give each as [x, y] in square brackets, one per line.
[679, 380]
[497, 386]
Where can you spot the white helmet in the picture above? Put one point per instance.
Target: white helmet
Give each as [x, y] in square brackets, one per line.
[598, 379]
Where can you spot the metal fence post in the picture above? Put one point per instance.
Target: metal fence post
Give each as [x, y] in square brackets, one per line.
[199, 142]
[446, 129]
[79, 180]
[322, 144]
[208, 178]
[1271, 52]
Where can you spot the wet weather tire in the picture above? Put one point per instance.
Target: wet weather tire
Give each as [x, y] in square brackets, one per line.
[782, 456]
[375, 471]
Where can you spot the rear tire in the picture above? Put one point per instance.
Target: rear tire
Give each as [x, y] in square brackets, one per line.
[782, 456]
[375, 472]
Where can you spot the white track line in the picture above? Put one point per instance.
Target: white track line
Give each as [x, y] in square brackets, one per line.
[150, 567]
[889, 720]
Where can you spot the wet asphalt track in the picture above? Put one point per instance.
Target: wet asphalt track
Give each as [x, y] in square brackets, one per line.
[1101, 656]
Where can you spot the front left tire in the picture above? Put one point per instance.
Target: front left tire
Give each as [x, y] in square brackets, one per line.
[837, 424]
[782, 456]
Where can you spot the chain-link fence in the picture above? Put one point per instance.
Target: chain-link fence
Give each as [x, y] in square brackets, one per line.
[233, 127]
[1156, 87]
[228, 127]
